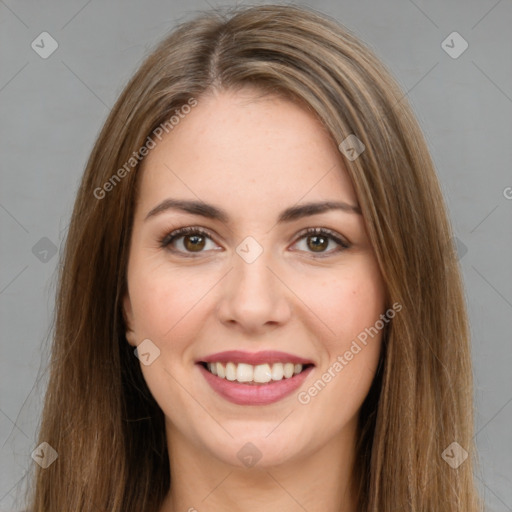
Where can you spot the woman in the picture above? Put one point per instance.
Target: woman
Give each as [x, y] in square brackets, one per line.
[260, 307]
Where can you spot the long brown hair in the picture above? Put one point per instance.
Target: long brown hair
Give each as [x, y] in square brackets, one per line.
[98, 413]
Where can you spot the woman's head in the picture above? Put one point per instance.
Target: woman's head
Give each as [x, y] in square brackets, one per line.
[259, 112]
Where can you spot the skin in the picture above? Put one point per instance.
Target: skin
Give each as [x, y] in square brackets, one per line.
[253, 156]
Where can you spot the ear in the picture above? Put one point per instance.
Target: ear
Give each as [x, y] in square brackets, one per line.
[128, 320]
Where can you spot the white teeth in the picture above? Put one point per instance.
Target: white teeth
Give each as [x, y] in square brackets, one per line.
[289, 368]
[231, 371]
[244, 372]
[260, 374]
[277, 371]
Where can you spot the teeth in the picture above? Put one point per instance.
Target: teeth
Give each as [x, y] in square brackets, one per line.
[260, 374]
[277, 371]
[244, 373]
[288, 370]
[231, 371]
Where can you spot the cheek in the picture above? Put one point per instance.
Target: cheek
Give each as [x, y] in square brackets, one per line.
[166, 309]
[350, 306]
[163, 302]
[347, 303]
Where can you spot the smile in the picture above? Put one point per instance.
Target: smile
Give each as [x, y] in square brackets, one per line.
[254, 379]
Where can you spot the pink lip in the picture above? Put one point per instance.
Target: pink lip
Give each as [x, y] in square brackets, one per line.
[254, 394]
[254, 358]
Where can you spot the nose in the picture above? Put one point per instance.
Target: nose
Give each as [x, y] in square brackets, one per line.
[253, 296]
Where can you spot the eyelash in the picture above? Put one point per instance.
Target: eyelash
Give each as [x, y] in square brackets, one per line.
[169, 238]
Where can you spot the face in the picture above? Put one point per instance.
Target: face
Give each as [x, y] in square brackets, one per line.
[272, 307]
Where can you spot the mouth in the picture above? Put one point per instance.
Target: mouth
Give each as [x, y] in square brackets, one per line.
[261, 378]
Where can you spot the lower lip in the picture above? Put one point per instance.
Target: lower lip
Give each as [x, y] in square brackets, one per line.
[254, 394]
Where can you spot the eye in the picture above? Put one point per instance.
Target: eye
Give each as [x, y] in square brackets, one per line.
[190, 240]
[317, 240]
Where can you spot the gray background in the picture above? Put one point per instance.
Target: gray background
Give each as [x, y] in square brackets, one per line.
[52, 109]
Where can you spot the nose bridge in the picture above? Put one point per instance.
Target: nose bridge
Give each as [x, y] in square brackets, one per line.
[251, 277]
[253, 295]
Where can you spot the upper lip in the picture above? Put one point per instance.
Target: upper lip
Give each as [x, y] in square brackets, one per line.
[254, 358]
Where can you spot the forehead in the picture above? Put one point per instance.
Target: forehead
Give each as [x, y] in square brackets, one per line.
[240, 149]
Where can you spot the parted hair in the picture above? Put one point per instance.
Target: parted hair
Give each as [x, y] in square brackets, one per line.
[98, 413]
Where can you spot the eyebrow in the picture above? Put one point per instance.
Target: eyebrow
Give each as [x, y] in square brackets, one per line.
[212, 212]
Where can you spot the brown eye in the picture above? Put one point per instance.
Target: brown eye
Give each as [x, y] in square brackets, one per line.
[317, 243]
[191, 240]
[317, 240]
[186, 241]
[194, 242]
